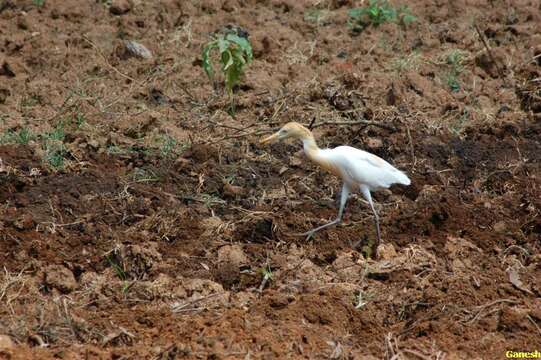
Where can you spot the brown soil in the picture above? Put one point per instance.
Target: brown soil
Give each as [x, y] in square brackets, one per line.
[135, 249]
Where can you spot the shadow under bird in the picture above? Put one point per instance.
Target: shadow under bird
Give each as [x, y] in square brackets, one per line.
[358, 169]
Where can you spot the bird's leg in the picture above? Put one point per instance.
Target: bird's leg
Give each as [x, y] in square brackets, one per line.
[343, 199]
[368, 197]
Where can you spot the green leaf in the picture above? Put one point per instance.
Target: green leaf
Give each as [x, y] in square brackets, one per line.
[238, 56]
[207, 65]
[223, 45]
[227, 60]
[357, 12]
[235, 53]
[244, 45]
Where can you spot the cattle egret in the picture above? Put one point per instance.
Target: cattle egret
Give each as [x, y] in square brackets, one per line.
[358, 169]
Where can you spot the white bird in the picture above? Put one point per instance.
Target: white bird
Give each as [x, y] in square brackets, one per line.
[358, 169]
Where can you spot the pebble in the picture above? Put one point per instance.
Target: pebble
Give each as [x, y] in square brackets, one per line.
[6, 342]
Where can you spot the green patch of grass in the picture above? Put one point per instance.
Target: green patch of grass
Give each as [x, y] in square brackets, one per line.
[21, 137]
[452, 82]
[55, 157]
[405, 17]
[53, 144]
[79, 120]
[168, 147]
[379, 12]
[455, 60]
[119, 271]
[164, 146]
[57, 134]
[39, 3]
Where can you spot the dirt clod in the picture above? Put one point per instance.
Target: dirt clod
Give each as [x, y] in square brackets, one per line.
[60, 278]
[232, 254]
[120, 7]
[25, 222]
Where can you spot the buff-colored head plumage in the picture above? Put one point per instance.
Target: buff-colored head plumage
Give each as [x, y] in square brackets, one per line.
[290, 130]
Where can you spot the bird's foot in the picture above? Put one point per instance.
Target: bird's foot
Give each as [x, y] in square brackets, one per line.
[308, 234]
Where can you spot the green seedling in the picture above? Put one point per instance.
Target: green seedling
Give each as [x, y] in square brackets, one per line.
[362, 298]
[266, 272]
[119, 271]
[379, 12]
[39, 3]
[53, 144]
[452, 82]
[21, 137]
[235, 53]
[168, 146]
[405, 17]
[79, 120]
[455, 60]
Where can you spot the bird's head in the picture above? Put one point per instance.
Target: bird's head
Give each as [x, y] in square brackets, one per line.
[290, 130]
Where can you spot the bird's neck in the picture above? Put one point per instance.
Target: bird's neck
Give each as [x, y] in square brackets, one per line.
[310, 147]
[315, 154]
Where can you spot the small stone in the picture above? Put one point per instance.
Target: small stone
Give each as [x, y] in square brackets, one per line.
[374, 143]
[61, 278]
[7, 70]
[181, 163]
[94, 144]
[232, 254]
[279, 300]
[6, 343]
[120, 7]
[4, 94]
[22, 23]
[386, 252]
[135, 49]
[500, 227]
[232, 191]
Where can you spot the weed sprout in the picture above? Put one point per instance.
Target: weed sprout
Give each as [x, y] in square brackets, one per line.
[235, 52]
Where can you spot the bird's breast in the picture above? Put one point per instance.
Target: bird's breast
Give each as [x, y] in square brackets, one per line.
[330, 167]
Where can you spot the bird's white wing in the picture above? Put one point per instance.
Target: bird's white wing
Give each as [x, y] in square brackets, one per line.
[361, 167]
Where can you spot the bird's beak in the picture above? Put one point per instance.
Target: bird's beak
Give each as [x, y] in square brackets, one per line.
[270, 139]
